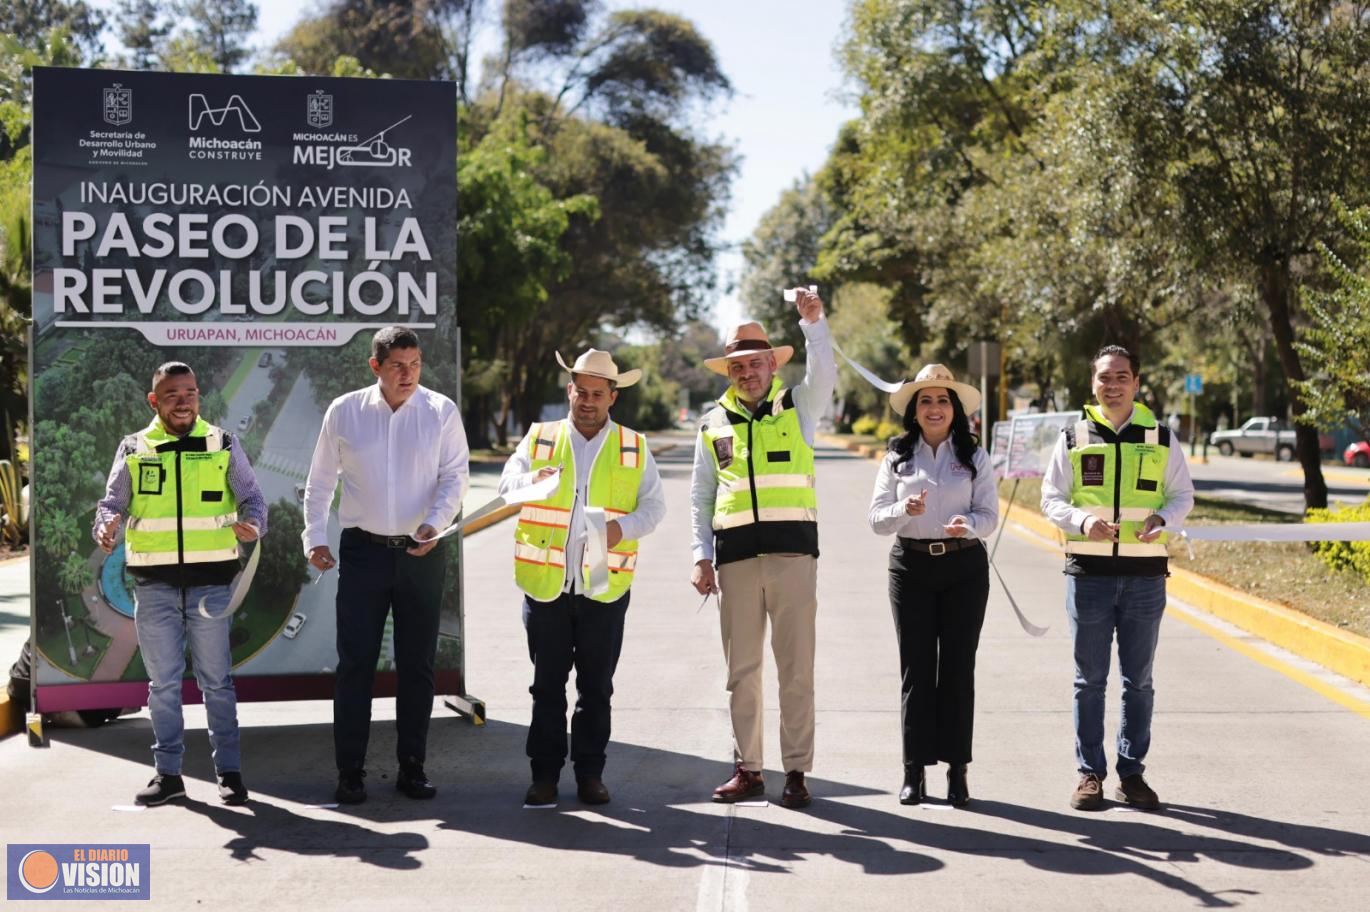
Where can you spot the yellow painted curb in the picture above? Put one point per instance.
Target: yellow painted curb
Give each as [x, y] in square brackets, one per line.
[1345, 653]
[11, 716]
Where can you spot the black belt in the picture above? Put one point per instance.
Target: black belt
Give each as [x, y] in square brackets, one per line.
[386, 541]
[938, 546]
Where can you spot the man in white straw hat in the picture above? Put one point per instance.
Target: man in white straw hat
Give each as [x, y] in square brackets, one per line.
[755, 515]
[574, 558]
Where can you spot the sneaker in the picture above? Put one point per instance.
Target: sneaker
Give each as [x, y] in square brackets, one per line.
[351, 787]
[231, 788]
[1089, 794]
[1134, 791]
[164, 787]
[413, 782]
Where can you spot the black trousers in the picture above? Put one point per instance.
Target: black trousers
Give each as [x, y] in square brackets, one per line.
[373, 580]
[572, 632]
[939, 607]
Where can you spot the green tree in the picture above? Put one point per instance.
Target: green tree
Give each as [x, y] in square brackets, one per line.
[402, 38]
[1256, 112]
[215, 30]
[782, 253]
[1337, 337]
[142, 26]
[31, 21]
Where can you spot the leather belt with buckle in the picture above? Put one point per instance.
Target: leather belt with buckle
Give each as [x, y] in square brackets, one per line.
[389, 541]
[936, 547]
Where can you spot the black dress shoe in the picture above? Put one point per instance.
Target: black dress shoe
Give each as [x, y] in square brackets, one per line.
[231, 788]
[958, 793]
[351, 787]
[591, 790]
[915, 785]
[541, 794]
[413, 782]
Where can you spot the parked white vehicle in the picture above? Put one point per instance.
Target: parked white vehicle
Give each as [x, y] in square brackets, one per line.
[292, 626]
[1259, 435]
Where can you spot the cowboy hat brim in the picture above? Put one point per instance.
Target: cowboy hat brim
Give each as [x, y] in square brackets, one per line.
[969, 395]
[783, 354]
[627, 378]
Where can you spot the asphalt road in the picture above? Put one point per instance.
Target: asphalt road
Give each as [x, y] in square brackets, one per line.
[1263, 482]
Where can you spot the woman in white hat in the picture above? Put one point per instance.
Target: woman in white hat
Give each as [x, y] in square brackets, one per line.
[935, 491]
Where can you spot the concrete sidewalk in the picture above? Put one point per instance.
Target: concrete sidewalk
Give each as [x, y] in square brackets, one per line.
[1260, 774]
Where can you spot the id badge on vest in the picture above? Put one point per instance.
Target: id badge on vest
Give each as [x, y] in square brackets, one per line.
[151, 476]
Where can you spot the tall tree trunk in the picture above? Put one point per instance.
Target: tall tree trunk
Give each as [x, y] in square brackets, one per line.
[1276, 290]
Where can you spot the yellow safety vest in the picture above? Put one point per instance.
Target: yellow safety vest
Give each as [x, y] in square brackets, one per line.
[543, 527]
[182, 509]
[766, 502]
[1120, 478]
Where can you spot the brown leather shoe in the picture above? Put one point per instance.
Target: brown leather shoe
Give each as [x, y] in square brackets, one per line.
[1134, 792]
[744, 784]
[591, 790]
[796, 793]
[541, 794]
[1089, 794]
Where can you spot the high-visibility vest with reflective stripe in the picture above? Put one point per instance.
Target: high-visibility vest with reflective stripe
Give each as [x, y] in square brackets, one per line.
[543, 527]
[765, 502]
[1120, 478]
[182, 509]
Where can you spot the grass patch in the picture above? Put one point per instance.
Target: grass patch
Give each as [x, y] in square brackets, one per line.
[88, 643]
[1285, 572]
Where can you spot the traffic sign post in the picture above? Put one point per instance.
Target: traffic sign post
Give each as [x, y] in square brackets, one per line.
[1194, 386]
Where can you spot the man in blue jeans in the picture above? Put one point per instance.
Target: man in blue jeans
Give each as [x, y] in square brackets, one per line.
[189, 495]
[1116, 481]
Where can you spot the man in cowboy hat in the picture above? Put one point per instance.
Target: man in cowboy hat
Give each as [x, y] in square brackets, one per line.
[574, 558]
[755, 516]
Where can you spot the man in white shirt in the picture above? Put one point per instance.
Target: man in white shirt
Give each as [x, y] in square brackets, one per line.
[1117, 480]
[575, 554]
[400, 450]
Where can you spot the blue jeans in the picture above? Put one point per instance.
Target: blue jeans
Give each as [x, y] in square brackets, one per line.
[1097, 606]
[166, 618]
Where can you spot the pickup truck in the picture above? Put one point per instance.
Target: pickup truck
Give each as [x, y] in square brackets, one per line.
[1261, 435]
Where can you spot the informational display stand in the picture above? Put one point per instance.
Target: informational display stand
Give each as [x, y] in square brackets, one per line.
[259, 229]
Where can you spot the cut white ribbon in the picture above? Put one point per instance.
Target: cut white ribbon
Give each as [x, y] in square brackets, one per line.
[538, 490]
[1301, 532]
[1029, 628]
[596, 551]
[239, 593]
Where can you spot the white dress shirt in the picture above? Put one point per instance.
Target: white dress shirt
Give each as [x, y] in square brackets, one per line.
[811, 398]
[401, 468]
[1059, 481]
[951, 492]
[651, 502]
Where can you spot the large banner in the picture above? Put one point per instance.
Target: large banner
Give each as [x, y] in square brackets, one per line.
[259, 229]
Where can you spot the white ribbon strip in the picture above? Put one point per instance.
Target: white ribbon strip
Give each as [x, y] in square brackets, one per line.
[1299, 532]
[1029, 628]
[596, 551]
[538, 490]
[883, 385]
[244, 582]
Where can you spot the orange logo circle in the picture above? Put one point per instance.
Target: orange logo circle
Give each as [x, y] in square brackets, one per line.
[38, 871]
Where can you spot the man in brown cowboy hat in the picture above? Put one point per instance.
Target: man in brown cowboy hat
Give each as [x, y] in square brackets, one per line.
[574, 558]
[755, 516]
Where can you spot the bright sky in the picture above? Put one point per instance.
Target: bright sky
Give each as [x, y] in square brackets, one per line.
[784, 117]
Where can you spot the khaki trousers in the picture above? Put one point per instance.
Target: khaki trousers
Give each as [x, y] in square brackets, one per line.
[783, 587]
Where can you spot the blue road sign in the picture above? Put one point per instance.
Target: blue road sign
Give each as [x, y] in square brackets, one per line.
[1193, 383]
